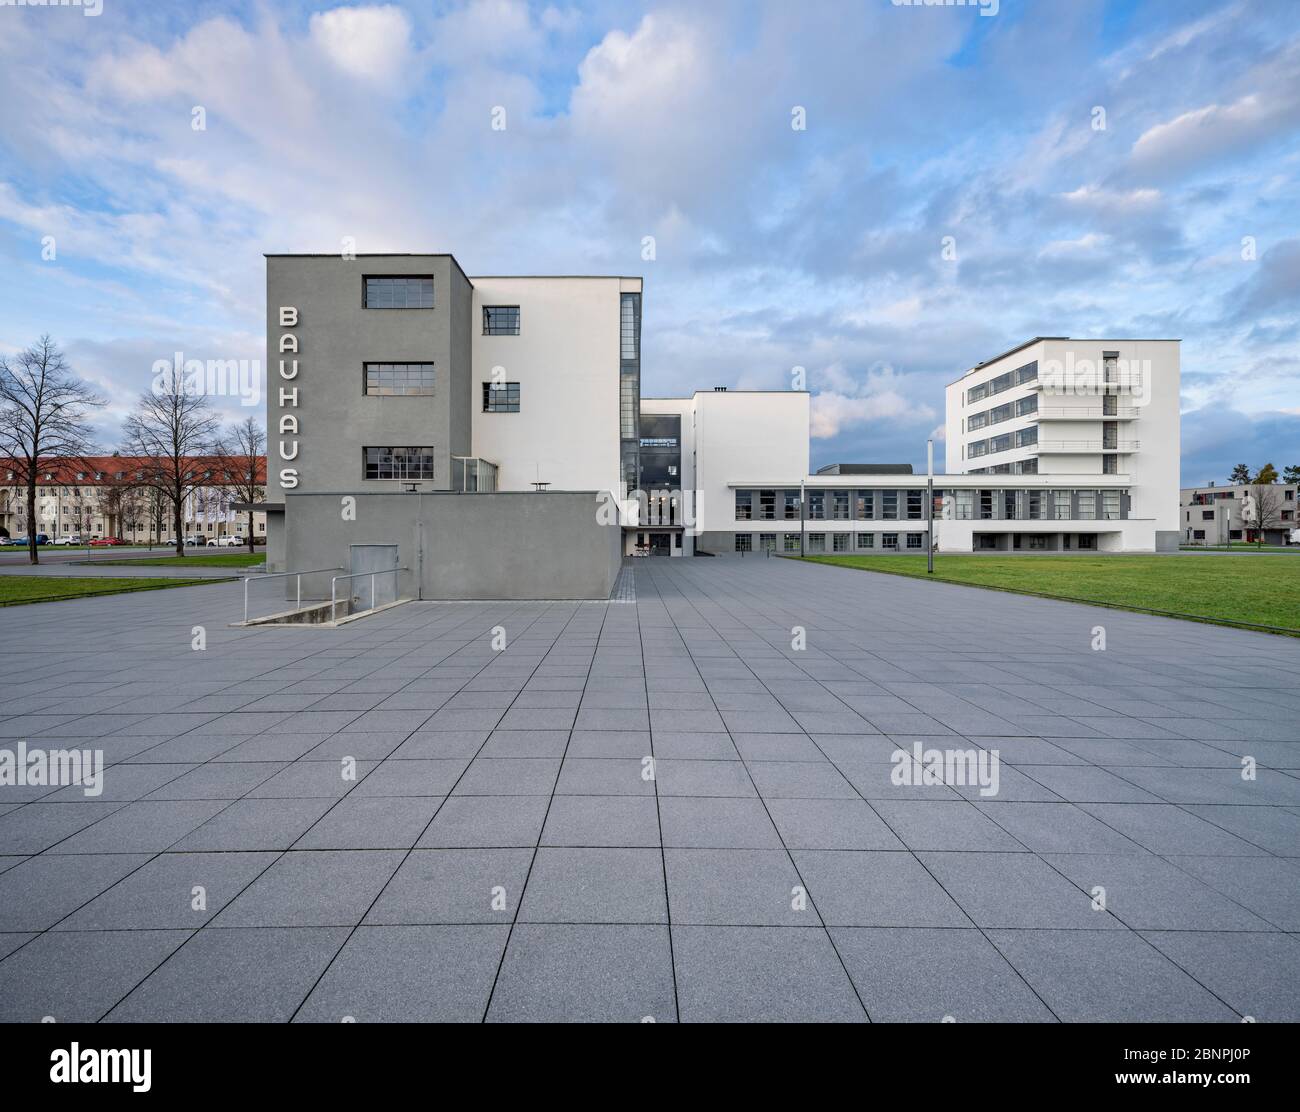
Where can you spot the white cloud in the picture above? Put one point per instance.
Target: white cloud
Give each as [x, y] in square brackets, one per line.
[883, 395]
[372, 43]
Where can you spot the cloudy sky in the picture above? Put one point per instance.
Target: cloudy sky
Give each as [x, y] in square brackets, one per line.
[1103, 168]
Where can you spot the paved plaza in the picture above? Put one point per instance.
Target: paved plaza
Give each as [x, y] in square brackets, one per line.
[680, 807]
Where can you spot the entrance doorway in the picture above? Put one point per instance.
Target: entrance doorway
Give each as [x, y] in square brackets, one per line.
[661, 544]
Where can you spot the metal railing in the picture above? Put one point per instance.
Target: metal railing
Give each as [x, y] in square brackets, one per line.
[1085, 413]
[283, 575]
[334, 602]
[1085, 446]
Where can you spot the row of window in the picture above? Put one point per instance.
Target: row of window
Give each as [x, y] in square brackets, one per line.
[415, 291]
[1018, 377]
[909, 505]
[839, 542]
[1023, 407]
[1021, 438]
[1018, 467]
[417, 380]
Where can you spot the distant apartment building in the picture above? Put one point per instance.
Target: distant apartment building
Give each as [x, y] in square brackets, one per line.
[1244, 512]
[107, 496]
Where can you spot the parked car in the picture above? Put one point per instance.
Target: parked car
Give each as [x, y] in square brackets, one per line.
[41, 538]
[197, 540]
[104, 542]
[74, 538]
[228, 541]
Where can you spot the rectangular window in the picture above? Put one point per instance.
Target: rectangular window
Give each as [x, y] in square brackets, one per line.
[866, 505]
[767, 505]
[792, 542]
[915, 504]
[1207, 515]
[1110, 505]
[767, 542]
[1061, 502]
[889, 505]
[965, 505]
[391, 379]
[1198, 534]
[986, 505]
[1110, 465]
[744, 505]
[866, 540]
[816, 542]
[398, 463]
[889, 540]
[840, 542]
[790, 505]
[914, 540]
[399, 292]
[500, 397]
[840, 505]
[1037, 540]
[500, 320]
[817, 504]
[744, 542]
[1087, 504]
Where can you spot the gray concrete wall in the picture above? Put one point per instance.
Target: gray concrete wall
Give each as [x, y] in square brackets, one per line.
[336, 337]
[515, 545]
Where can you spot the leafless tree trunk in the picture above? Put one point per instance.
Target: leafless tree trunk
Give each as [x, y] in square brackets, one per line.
[172, 429]
[1268, 510]
[242, 456]
[44, 415]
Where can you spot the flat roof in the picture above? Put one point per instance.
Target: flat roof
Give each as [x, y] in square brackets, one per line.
[1079, 339]
[1083, 482]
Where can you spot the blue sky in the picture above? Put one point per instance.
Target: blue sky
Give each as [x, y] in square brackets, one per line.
[774, 247]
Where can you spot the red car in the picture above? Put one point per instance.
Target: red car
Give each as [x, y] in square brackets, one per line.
[102, 542]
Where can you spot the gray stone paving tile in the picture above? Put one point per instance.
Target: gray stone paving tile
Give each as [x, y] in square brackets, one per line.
[312, 780]
[710, 823]
[484, 820]
[11, 941]
[761, 974]
[409, 974]
[1255, 974]
[944, 824]
[603, 776]
[1147, 892]
[216, 781]
[1101, 976]
[35, 827]
[526, 743]
[42, 890]
[924, 975]
[875, 888]
[1056, 828]
[1268, 886]
[605, 820]
[737, 887]
[252, 824]
[146, 826]
[1274, 829]
[257, 975]
[410, 778]
[509, 776]
[1163, 828]
[830, 824]
[556, 973]
[800, 780]
[595, 886]
[318, 888]
[1086, 784]
[161, 894]
[454, 886]
[441, 744]
[1014, 890]
[361, 822]
[77, 977]
[703, 778]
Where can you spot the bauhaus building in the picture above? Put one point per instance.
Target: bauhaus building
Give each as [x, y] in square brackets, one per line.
[488, 436]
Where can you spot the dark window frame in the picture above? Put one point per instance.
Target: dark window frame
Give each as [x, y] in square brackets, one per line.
[509, 405]
[368, 393]
[504, 328]
[366, 279]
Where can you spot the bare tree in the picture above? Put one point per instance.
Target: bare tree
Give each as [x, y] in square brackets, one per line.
[44, 415]
[1267, 511]
[172, 431]
[242, 457]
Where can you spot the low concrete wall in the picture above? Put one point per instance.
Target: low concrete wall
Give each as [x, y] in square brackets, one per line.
[509, 545]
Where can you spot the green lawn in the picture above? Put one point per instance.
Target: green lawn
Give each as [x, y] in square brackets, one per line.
[199, 560]
[1211, 588]
[15, 590]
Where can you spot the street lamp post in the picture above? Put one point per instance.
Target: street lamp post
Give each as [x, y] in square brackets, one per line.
[929, 507]
[802, 517]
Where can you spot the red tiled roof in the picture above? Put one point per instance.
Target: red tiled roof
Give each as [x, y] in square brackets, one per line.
[65, 472]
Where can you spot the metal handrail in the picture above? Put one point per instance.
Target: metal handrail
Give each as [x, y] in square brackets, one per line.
[357, 575]
[282, 575]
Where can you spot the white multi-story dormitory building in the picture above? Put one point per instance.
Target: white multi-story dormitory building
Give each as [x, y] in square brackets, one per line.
[399, 385]
[105, 496]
